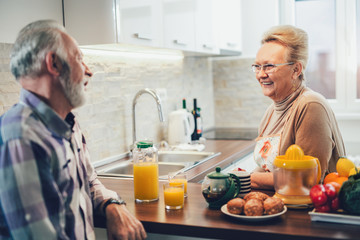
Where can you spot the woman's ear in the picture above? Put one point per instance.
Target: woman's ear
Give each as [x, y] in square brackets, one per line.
[53, 64]
[297, 70]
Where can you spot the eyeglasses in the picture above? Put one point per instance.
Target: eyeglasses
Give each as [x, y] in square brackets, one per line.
[268, 68]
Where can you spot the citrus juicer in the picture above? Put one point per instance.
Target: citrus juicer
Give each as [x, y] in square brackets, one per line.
[294, 175]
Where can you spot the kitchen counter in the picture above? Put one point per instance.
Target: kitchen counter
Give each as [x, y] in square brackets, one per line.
[197, 220]
[231, 152]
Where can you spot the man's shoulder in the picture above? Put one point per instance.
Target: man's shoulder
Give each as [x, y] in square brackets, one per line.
[15, 122]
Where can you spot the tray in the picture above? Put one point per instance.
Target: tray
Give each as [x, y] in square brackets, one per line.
[334, 218]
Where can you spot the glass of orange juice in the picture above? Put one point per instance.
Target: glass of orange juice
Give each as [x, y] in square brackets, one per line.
[177, 179]
[173, 196]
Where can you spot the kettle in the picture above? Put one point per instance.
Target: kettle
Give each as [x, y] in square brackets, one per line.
[181, 126]
[218, 188]
[294, 175]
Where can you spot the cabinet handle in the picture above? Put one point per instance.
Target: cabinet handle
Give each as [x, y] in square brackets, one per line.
[231, 44]
[142, 36]
[208, 46]
[180, 43]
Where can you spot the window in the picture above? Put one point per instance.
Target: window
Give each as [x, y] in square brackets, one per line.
[320, 72]
[334, 48]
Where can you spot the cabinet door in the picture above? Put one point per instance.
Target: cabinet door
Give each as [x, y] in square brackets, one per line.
[228, 25]
[257, 20]
[179, 24]
[205, 38]
[15, 14]
[141, 22]
[91, 21]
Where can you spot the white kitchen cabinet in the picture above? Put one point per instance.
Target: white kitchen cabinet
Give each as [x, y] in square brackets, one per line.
[205, 34]
[189, 25]
[91, 21]
[141, 22]
[15, 14]
[179, 24]
[257, 17]
[228, 25]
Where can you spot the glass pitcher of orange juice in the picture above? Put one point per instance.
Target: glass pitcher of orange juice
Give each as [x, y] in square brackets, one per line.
[146, 172]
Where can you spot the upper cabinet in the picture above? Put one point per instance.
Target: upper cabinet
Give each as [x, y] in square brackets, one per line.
[205, 32]
[91, 21]
[195, 26]
[140, 22]
[15, 14]
[179, 24]
[228, 25]
[254, 25]
[208, 27]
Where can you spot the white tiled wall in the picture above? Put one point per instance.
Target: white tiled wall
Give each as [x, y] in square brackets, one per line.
[239, 101]
[226, 89]
[106, 119]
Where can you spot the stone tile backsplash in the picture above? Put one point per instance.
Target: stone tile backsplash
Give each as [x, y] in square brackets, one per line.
[239, 101]
[227, 92]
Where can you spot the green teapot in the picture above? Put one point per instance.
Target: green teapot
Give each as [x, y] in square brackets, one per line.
[218, 188]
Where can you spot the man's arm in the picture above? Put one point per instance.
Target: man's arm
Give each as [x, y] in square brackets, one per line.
[121, 224]
[31, 202]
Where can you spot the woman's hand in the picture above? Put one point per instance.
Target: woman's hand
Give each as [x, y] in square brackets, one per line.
[262, 180]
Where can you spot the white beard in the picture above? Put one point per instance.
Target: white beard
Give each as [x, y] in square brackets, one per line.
[74, 93]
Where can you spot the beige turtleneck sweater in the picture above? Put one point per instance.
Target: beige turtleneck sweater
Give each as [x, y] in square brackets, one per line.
[311, 125]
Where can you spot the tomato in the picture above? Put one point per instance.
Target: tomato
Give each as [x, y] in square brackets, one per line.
[336, 185]
[318, 195]
[323, 208]
[335, 204]
[330, 191]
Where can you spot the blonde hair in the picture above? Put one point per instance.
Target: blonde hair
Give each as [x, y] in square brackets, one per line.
[296, 41]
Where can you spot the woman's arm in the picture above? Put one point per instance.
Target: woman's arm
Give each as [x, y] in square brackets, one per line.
[261, 179]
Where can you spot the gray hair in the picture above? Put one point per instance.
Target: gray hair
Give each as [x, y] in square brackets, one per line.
[296, 41]
[32, 43]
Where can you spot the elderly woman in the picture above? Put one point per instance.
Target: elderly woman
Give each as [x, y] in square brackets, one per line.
[298, 115]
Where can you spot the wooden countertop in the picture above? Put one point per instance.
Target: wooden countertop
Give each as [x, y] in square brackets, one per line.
[197, 220]
[231, 151]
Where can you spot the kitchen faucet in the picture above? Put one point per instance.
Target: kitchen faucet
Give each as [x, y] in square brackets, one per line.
[159, 107]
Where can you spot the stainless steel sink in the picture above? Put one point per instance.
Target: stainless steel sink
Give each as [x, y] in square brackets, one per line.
[125, 169]
[182, 156]
[169, 161]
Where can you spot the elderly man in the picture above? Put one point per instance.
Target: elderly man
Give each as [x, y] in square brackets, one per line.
[48, 187]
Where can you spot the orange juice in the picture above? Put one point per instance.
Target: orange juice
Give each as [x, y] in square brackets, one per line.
[146, 185]
[174, 197]
[179, 181]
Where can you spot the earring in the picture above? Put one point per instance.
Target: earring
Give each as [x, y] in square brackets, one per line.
[293, 86]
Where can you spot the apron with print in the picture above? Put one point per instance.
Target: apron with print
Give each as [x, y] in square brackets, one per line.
[267, 148]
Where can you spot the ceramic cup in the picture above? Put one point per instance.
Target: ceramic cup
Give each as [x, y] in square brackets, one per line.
[245, 181]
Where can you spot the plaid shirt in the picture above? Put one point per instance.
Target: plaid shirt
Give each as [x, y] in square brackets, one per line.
[48, 186]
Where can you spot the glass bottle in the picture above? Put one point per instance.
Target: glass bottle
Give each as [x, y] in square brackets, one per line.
[146, 172]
